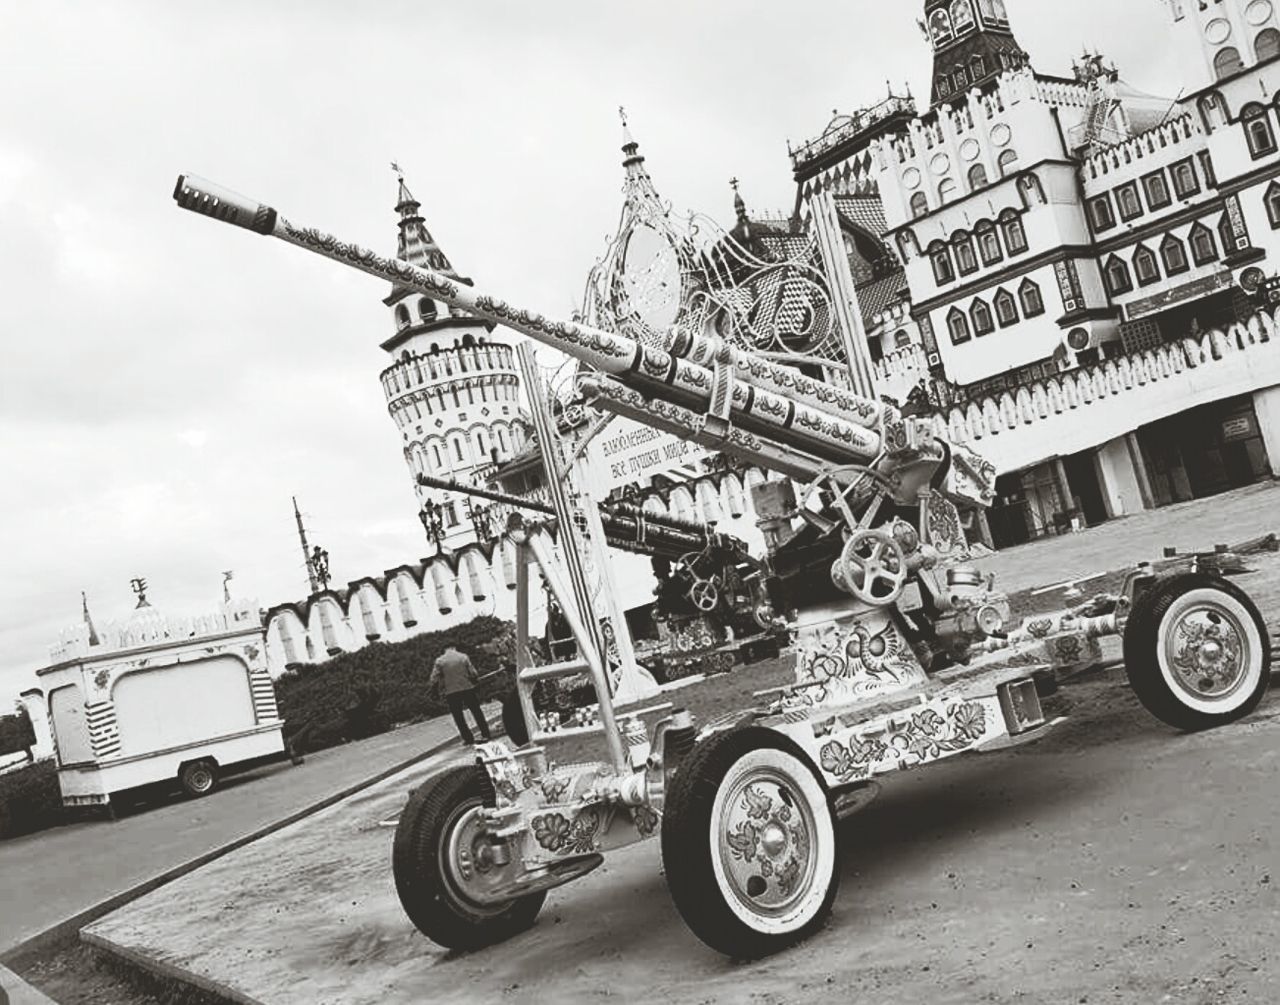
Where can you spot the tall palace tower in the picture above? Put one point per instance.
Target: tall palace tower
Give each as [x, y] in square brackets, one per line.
[452, 388]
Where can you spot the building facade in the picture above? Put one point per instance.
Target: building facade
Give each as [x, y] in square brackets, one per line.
[1084, 263]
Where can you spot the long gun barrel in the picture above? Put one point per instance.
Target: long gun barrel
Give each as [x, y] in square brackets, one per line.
[745, 405]
[626, 527]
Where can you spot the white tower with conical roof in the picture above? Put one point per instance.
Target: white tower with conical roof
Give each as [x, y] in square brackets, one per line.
[452, 388]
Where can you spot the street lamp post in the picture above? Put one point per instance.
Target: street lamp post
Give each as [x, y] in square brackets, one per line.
[432, 517]
[481, 518]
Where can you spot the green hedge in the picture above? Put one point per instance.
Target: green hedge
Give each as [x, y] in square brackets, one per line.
[30, 799]
[366, 692]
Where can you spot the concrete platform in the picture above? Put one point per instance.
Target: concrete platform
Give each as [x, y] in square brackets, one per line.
[1084, 865]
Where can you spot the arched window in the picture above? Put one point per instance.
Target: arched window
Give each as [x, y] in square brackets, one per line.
[502, 439]
[1174, 253]
[987, 9]
[980, 315]
[1100, 214]
[1257, 130]
[1212, 110]
[960, 77]
[402, 316]
[961, 16]
[977, 177]
[482, 444]
[1204, 249]
[962, 246]
[1185, 182]
[1117, 273]
[427, 309]
[1006, 308]
[1006, 161]
[1015, 237]
[1129, 201]
[946, 191]
[919, 205]
[435, 456]
[958, 326]
[1272, 201]
[468, 341]
[901, 339]
[977, 68]
[1145, 266]
[1227, 62]
[457, 449]
[941, 259]
[1266, 45]
[940, 27]
[1032, 302]
[988, 242]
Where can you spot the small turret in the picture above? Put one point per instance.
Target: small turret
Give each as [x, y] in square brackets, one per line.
[973, 43]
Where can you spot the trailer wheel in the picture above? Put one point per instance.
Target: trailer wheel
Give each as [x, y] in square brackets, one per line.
[749, 844]
[198, 778]
[440, 869]
[1196, 651]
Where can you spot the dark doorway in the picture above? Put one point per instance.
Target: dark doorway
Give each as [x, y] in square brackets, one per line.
[1086, 489]
[1204, 451]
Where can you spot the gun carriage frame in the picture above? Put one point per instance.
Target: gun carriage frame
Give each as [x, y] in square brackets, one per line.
[919, 663]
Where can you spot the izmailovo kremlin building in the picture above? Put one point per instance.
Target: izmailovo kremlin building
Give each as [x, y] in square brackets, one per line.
[1077, 276]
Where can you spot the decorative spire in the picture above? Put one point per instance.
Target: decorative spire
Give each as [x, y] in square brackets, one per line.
[638, 188]
[226, 589]
[84, 606]
[139, 586]
[739, 206]
[414, 243]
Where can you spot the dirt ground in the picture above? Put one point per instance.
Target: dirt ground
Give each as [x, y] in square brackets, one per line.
[1113, 861]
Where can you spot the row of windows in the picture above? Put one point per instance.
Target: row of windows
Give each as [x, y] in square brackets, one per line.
[981, 318]
[947, 188]
[480, 441]
[426, 312]
[1173, 254]
[1266, 45]
[947, 23]
[1155, 187]
[961, 77]
[960, 254]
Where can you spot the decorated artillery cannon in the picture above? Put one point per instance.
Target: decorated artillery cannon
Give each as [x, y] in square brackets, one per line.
[918, 662]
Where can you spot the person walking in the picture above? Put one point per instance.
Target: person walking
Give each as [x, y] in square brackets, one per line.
[457, 677]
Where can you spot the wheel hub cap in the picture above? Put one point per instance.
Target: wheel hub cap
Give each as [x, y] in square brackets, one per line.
[1207, 650]
[766, 842]
[467, 861]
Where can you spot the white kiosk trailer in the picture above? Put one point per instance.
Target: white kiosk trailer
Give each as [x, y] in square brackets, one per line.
[158, 699]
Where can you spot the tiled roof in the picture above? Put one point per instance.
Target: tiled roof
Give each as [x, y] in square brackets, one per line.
[875, 296]
[863, 211]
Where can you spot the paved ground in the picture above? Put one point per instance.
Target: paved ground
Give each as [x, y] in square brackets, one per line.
[1194, 526]
[1115, 860]
[48, 877]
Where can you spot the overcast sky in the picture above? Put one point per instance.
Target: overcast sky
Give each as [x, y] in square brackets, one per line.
[166, 384]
